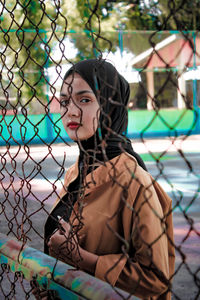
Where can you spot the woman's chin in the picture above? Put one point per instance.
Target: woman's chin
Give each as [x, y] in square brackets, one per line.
[79, 137]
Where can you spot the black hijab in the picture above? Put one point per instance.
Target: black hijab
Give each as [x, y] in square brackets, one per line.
[112, 92]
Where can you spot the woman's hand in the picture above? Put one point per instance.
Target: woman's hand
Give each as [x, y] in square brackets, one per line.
[64, 246]
[40, 294]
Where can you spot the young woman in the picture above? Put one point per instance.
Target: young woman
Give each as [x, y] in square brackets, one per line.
[112, 218]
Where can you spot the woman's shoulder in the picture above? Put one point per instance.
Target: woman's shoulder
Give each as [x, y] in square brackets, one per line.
[122, 169]
[127, 164]
[71, 173]
[142, 180]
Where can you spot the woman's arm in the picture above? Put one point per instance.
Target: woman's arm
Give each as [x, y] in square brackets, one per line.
[143, 269]
[63, 245]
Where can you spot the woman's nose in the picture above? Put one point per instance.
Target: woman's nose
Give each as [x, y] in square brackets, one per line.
[73, 109]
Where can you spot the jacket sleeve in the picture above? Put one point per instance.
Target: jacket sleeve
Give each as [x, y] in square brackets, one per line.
[142, 267]
[64, 187]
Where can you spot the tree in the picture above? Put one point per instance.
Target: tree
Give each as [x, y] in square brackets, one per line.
[101, 18]
[179, 14]
[28, 30]
[160, 14]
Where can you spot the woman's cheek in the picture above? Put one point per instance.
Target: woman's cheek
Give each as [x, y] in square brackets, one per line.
[64, 122]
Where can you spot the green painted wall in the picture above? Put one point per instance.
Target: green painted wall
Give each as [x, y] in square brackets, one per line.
[167, 121]
[41, 129]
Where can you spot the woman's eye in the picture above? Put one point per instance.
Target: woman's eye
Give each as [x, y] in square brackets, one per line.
[85, 100]
[64, 103]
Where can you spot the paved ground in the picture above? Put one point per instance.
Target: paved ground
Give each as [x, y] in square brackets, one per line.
[179, 176]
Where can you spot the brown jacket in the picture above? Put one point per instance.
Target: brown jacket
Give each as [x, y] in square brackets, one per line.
[127, 222]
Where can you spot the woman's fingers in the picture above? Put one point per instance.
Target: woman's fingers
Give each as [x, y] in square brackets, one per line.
[64, 227]
[40, 294]
[57, 244]
[63, 244]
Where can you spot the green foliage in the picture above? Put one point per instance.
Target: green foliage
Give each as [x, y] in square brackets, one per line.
[179, 14]
[159, 14]
[28, 30]
[101, 18]
[94, 28]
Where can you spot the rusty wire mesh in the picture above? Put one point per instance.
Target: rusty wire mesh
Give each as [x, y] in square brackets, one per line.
[29, 186]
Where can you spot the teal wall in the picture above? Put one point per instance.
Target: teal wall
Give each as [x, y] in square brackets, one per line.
[168, 122]
[39, 129]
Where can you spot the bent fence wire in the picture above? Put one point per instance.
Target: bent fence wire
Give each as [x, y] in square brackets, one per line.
[162, 68]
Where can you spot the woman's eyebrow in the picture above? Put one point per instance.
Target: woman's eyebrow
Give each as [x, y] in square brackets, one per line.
[84, 92]
[63, 95]
[78, 93]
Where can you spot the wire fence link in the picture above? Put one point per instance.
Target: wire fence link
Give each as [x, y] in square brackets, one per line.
[38, 45]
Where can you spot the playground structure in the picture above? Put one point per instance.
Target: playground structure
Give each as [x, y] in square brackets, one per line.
[65, 281]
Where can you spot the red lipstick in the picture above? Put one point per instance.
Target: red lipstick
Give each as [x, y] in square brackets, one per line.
[73, 125]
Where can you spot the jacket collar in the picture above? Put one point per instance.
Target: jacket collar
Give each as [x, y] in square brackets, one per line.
[101, 175]
[105, 172]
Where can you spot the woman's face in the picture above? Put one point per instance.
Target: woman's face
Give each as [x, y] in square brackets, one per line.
[79, 108]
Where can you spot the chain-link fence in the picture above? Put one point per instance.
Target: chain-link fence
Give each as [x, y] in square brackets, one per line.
[40, 41]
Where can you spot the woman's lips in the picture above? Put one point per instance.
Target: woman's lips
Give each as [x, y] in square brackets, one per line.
[73, 125]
